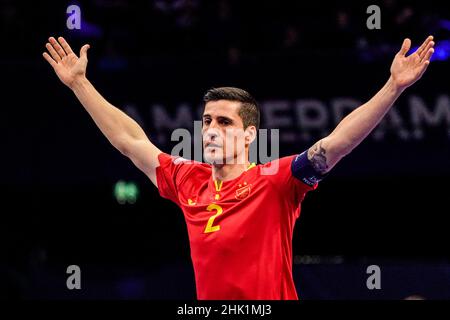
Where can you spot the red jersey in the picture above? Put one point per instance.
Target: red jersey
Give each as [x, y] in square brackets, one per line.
[240, 230]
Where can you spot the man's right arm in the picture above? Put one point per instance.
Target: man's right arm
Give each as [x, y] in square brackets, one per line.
[121, 130]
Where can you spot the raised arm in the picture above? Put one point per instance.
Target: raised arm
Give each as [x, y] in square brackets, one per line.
[405, 70]
[121, 130]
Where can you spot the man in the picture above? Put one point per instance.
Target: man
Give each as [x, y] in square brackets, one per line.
[240, 216]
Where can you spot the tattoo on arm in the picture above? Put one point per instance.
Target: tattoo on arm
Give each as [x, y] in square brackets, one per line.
[316, 154]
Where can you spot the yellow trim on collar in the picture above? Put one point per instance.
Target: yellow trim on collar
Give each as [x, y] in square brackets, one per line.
[218, 185]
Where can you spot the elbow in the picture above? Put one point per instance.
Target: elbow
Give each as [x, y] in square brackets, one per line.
[338, 147]
[327, 152]
[122, 144]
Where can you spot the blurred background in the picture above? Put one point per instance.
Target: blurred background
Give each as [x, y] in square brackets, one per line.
[69, 198]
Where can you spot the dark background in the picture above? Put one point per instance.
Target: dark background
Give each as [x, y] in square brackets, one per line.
[385, 204]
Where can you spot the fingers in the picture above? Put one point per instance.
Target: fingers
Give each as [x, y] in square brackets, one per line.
[425, 52]
[424, 67]
[83, 51]
[405, 47]
[49, 59]
[426, 61]
[428, 55]
[65, 45]
[422, 49]
[53, 52]
[57, 47]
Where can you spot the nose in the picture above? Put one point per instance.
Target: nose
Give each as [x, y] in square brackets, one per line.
[211, 134]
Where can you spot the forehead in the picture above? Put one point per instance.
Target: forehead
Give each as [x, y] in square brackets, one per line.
[223, 108]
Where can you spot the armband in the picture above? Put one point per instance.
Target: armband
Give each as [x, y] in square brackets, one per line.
[303, 170]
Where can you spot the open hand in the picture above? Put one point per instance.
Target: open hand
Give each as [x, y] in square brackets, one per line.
[67, 65]
[405, 70]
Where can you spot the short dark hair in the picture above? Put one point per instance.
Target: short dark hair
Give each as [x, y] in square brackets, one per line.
[249, 111]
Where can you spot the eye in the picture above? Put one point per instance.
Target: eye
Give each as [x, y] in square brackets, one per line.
[224, 122]
[206, 121]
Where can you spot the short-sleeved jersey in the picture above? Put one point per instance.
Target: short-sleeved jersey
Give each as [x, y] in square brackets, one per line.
[240, 230]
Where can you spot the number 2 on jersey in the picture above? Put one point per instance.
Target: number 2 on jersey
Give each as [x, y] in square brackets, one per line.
[209, 226]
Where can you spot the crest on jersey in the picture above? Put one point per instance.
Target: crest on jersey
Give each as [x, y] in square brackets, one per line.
[243, 191]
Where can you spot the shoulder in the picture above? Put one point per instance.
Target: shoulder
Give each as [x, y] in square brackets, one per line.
[277, 167]
[289, 179]
[180, 166]
[167, 159]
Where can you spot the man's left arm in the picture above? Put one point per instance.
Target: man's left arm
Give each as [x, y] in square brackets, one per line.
[405, 70]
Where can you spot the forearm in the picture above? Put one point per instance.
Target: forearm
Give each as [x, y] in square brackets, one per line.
[405, 70]
[113, 123]
[358, 124]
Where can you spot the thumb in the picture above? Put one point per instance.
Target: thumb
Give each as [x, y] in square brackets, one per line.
[405, 47]
[83, 51]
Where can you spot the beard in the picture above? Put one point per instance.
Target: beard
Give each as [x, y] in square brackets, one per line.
[218, 157]
[214, 157]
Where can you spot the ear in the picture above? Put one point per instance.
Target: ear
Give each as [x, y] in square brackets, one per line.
[250, 134]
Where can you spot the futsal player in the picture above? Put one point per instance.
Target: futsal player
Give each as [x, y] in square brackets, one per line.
[240, 216]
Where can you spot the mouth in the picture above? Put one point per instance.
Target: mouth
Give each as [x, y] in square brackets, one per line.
[212, 145]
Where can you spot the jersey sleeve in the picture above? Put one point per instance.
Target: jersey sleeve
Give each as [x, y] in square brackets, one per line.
[281, 172]
[169, 175]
